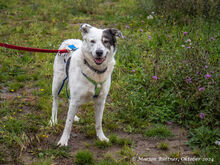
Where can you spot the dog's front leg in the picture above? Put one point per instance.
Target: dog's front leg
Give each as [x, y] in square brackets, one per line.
[73, 106]
[99, 108]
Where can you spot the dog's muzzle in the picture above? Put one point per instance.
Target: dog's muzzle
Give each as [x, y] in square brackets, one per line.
[99, 59]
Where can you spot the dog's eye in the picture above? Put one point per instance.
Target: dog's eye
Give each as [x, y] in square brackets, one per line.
[106, 41]
[92, 41]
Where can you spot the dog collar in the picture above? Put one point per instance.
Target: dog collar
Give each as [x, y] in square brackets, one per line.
[93, 69]
[98, 85]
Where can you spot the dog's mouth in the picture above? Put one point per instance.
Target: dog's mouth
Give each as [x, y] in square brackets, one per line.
[99, 61]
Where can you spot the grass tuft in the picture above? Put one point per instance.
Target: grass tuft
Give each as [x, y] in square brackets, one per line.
[163, 146]
[158, 131]
[103, 144]
[84, 157]
[114, 139]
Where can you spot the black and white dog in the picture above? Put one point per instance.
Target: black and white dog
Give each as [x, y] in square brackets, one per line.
[89, 70]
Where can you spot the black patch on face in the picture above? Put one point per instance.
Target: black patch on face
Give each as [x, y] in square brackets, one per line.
[109, 35]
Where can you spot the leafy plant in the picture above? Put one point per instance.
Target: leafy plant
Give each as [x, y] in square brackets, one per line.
[204, 138]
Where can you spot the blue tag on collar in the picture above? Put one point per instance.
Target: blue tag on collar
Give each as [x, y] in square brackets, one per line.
[72, 47]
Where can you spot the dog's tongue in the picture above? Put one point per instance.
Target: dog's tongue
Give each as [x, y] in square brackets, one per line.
[99, 60]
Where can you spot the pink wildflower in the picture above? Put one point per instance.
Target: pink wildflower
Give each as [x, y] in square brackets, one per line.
[155, 77]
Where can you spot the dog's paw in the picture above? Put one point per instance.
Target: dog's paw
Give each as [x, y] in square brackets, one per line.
[62, 143]
[76, 118]
[103, 138]
[52, 122]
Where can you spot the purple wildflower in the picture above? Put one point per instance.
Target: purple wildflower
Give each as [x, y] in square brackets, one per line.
[133, 71]
[212, 38]
[211, 71]
[201, 89]
[21, 55]
[149, 37]
[202, 115]
[188, 80]
[188, 47]
[206, 66]
[141, 30]
[127, 27]
[155, 77]
[185, 33]
[169, 123]
[207, 76]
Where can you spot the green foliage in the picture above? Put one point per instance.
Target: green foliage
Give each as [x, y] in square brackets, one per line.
[111, 162]
[204, 138]
[102, 144]
[175, 155]
[15, 126]
[114, 139]
[15, 86]
[3, 159]
[43, 162]
[177, 9]
[21, 78]
[152, 47]
[163, 146]
[158, 131]
[127, 153]
[84, 157]
[57, 152]
[86, 6]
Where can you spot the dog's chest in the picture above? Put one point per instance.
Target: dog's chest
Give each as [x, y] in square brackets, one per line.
[88, 92]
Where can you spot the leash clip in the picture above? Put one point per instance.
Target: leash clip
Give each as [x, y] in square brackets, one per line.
[70, 48]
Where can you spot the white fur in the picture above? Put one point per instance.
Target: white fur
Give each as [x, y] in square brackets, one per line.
[82, 90]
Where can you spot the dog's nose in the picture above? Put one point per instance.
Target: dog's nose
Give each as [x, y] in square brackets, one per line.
[99, 53]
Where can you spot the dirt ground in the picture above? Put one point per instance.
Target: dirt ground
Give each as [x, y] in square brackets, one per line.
[143, 148]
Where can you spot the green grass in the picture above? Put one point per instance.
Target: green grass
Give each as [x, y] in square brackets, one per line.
[127, 153]
[156, 47]
[56, 152]
[158, 131]
[84, 157]
[163, 146]
[102, 144]
[114, 139]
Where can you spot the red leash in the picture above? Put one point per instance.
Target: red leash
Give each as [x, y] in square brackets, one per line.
[33, 49]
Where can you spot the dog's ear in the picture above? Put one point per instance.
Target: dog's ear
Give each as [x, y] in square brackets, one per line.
[84, 28]
[116, 33]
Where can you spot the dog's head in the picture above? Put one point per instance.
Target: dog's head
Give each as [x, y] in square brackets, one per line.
[99, 45]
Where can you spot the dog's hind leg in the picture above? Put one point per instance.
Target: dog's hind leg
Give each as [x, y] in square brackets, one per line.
[57, 82]
[59, 76]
